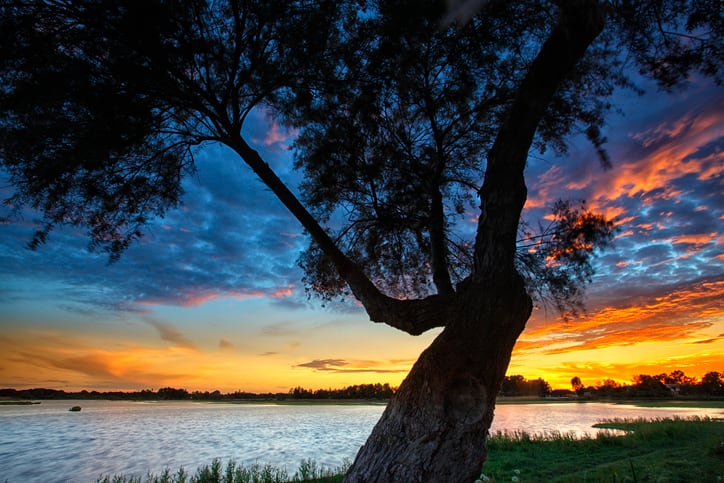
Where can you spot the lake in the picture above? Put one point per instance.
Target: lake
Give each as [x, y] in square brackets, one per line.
[47, 443]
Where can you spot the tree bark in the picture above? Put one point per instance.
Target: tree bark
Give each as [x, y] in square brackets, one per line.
[435, 427]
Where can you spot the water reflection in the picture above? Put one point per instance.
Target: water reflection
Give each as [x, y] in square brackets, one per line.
[46, 442]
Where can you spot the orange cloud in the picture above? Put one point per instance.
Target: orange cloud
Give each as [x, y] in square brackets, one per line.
[679, 314]
[671, 147]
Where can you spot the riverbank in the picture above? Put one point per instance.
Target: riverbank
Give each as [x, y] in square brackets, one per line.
[671, 449]
[652, 450]
[679, 402]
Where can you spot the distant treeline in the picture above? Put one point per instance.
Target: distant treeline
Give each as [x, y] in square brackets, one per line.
[674, 384]
[362, 391]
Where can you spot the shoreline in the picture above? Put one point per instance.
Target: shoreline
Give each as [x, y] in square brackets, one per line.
[642, 403]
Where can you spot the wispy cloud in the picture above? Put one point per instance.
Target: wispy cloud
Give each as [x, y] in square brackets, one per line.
[171, 334]
[677, 315]
[225, 345]
[340, 366]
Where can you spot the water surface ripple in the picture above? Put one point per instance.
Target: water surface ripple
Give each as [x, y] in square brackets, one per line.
[47, 443]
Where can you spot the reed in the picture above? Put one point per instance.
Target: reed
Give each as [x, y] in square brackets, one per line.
[233, 472]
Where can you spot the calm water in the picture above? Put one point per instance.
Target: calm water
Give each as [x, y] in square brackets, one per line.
[47, 443]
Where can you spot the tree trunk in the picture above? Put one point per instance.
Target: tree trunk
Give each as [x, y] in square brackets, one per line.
[434, 428]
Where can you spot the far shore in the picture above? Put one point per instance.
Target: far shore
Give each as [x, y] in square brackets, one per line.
[653, 403]
[679, 402]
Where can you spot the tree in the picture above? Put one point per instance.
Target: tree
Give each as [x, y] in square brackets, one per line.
[512, 385]
[406, 124]
[645, 385]
[608, 388]
[577, 385]
[712, 383]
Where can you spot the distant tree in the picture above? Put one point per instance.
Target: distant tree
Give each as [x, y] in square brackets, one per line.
[512, 385]
[577, 385]
[712, 383]
[645, 385]
[540, 388]
[408, 127]
[172, 394]
[517, 385]
[679, 377]
[675, 377]
[301, 393]
[608, 388]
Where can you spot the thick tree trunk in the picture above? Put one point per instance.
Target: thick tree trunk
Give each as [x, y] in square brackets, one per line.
[435, 427]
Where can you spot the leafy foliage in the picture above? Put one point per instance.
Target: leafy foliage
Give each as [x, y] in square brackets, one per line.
[103, 103]
[81, 137]
[399, 138]
[555, 260]
[672, 40]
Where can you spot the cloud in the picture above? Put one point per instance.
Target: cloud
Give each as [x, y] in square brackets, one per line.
[343, 366]
[718, 338]
[94, 364]
[679, 314]
[225, 345]
[324, 364]
[170, 334]
[230, 238]
[33, 358]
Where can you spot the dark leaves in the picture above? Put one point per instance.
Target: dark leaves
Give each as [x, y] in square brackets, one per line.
[103, 103]
[556, 260]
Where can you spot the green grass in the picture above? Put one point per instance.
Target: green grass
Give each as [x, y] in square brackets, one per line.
[662, 450]
[308, 472]
[658, 450]
[677, 403]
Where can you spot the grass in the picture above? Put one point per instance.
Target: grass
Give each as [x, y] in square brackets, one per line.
[660, 450]
[677, 403]
[308, 472]
[651, 450]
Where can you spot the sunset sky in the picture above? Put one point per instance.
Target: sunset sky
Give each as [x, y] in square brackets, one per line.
[211, 297]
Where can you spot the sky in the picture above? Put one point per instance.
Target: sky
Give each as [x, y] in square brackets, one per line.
[211, 298]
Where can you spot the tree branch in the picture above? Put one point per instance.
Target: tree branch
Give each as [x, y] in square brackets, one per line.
[411, 316]
[504, 192]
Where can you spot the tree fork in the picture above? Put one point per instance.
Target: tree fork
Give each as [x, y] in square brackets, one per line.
[435, 427]
[412, 316]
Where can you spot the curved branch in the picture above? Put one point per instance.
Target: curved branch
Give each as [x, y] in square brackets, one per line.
[411, 316]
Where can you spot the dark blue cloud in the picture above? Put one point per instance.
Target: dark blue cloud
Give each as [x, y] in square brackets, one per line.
[231, 237]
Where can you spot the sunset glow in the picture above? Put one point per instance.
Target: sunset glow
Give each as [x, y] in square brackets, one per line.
[212, 298]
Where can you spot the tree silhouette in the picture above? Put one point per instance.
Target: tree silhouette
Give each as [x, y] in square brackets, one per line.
[577, 385]
[408, 124]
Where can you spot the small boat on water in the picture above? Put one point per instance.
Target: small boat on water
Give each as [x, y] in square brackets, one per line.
[75, 409]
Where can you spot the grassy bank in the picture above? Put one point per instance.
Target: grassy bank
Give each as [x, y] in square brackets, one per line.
[681, 402]
[232, 472]
[663, 450]
[666, 450]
